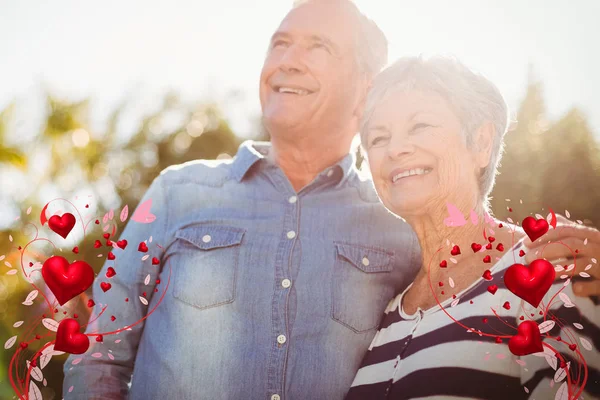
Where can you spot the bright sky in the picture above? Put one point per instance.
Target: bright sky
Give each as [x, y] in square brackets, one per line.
[204, 49]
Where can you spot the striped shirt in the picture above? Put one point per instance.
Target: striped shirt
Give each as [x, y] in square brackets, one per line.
[427, 355]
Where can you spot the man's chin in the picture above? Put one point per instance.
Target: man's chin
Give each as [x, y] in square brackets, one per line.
[283, 122]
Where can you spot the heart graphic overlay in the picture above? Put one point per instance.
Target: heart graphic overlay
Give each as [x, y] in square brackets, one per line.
[67, 280]
[528, 340]
[535, 229]
[63, 224]
[530, 283]
[69, 339]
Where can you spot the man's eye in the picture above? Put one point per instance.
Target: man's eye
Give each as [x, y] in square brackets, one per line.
[278, 43]
[320, 46]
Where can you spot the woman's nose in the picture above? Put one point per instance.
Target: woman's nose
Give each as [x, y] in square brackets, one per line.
[399, 146]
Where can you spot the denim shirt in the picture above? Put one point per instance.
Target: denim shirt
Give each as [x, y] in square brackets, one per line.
[272, 294]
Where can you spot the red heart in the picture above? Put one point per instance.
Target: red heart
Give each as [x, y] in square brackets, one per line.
[108, 242]
[535, 229]
[521, 253]
[522, 318]
[112, 318]
[69, 339]
[67, 280]
[493, 289]
[476, 247]
[142, 247]
[111, 256]
[106, 235]
[63, 224]
[573, 346]
[528, 340]
[76, 250]
[455, 250]
[97, 244]
[91, 303]
[122, 244]
[530, 283]
[500, 225]
[498, 339]
[491, 239]
[500, 247]
[155, 261]
[506, 305]
[443, 264]
[488, 246]
[105, 286]
[487, 275]
[487, 259]
[110, 272]
[99, 338]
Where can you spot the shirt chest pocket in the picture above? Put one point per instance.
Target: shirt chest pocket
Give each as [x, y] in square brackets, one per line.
[205, 264]
[361, 285]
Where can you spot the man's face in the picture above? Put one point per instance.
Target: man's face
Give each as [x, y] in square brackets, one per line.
[310, 76]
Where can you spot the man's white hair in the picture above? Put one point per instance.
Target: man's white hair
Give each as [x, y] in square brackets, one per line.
[371, 43]
[473, 97]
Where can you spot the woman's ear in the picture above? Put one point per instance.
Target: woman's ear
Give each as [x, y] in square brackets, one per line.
[483, 142]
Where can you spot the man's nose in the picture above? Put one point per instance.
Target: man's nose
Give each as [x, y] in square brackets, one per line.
[293, 60]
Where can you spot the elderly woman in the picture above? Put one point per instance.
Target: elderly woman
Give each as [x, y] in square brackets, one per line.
[433, 133]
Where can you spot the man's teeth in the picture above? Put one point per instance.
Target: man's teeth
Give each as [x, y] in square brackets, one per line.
[416, 171]
[290, 90]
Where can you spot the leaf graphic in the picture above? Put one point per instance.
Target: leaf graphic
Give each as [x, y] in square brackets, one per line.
[10, 342]
[31, 296]
[587, 267]
[451, 282]
[17, 324]
[36, 374]
[586, 344]
[27, 303]
[144, 258]
[560, 374]
[551, 360]
[105, 228]
[562, 393]
[44, 360]
[34, 392]
[143, 300]
[567, 282]
[124, 213]
[577, 325]
[77, 361]
[111, 356]
[29, 210]
[584, 274]
[455, 302]
[546, 326]
[567, 214]
[105, 218]
[9, 265]
[566, 300]
[147, 280]
[11, 272]
[150, 240]
[50, 324]
[97, 355]
[525, 388]
[111, 214]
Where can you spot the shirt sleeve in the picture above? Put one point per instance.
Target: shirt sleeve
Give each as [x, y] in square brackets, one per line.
[107, 377]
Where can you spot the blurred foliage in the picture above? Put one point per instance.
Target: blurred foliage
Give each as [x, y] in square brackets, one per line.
[547, 165]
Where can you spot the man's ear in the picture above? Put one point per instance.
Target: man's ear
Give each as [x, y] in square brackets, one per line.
[483, 143]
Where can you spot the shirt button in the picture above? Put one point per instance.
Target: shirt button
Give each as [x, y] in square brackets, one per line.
[275, 397]
[291, 234]
[281, 339]
[365, 261]
[293, 199]
[286, 283]
[330, 172]
[206, 238]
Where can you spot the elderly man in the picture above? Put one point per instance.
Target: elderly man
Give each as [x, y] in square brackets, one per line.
[280, 262]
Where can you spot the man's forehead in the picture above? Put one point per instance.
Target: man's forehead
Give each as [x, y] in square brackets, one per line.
[332, 19]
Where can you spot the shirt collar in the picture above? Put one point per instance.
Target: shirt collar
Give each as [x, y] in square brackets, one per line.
[251, 151]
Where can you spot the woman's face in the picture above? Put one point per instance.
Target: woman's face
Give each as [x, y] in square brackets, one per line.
[418, 156]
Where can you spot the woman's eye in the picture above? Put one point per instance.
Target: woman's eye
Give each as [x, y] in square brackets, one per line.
[379, 140]
[279, 43]
[419, 126]
[319, 46]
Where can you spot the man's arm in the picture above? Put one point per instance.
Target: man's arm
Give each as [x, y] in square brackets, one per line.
[107, 377]
[585, 240]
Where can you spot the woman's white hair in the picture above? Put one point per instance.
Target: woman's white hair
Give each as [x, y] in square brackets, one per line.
[473, 97]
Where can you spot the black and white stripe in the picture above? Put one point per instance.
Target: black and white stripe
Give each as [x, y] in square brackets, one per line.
[427, 355]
